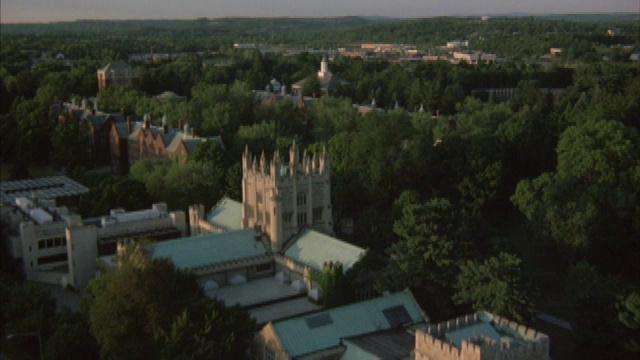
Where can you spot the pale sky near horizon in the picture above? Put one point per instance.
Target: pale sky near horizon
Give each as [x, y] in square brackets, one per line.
[12, 11]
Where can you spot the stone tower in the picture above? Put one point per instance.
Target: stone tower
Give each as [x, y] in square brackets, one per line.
[280, 198]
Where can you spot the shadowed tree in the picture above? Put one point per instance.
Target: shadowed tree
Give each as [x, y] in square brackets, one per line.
[495, 285]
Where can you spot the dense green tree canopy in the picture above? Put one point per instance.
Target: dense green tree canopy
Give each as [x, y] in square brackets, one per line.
[149, 309]
[495, 285]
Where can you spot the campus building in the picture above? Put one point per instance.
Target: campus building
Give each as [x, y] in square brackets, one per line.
[57, 246]
[480, 336]
[270, 245]
[132, 141]
[327, 80]
[117, 73]
[338, 333]
[394, 326]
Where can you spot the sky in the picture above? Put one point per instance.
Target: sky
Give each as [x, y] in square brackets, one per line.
[13, 11]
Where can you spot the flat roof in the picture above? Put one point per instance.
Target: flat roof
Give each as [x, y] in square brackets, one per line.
[51, 187]
[254, 292]
[209, 249]
[314, 249]
[227, 214]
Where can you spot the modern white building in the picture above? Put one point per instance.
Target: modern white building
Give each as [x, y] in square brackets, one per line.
[58, 247]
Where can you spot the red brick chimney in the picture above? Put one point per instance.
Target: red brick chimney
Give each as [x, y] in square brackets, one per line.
[129, 125]
[193, 132]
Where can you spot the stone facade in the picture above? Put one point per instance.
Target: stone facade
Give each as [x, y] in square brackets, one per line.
[431, 343]
[281, 198]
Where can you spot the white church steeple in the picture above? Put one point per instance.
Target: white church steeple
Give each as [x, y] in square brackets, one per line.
[324, 68]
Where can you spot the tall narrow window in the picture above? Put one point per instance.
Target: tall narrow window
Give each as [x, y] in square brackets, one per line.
[302, 199]
[317, 214]
[287, 217]
[302, 218]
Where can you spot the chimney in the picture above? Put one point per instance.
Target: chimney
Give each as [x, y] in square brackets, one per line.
[180, 126]
[193, 132]
[165, 128]
[129, 125]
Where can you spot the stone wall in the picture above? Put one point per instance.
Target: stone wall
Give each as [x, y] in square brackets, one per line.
[430, 345]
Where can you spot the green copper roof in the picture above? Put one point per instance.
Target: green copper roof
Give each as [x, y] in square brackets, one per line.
[325, 329]
[209, 249]
[226, 214]
[313, 248]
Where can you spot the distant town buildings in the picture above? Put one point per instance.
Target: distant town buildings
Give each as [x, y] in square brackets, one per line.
[117, 73]
[556, 51]
[328, 82]
[506, 94]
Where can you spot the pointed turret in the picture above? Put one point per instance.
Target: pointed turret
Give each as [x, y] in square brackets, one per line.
[263, 162]
[246, 159]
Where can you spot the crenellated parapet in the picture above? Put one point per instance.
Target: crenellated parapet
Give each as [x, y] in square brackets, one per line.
[515, 342]
[279, 170]
[282, 196]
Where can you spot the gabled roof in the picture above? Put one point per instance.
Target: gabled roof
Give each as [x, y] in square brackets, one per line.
[190, 144]
[324, 330]
[98, 119]
[123, 130]
[167, 138]
[227, 214]
[210, 249]
[314, 249]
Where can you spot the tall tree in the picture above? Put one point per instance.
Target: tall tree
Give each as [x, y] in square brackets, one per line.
[589, 203]
[629, 315]
[427, 253]
[135, 314]
[495, 285]
[71, 148]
